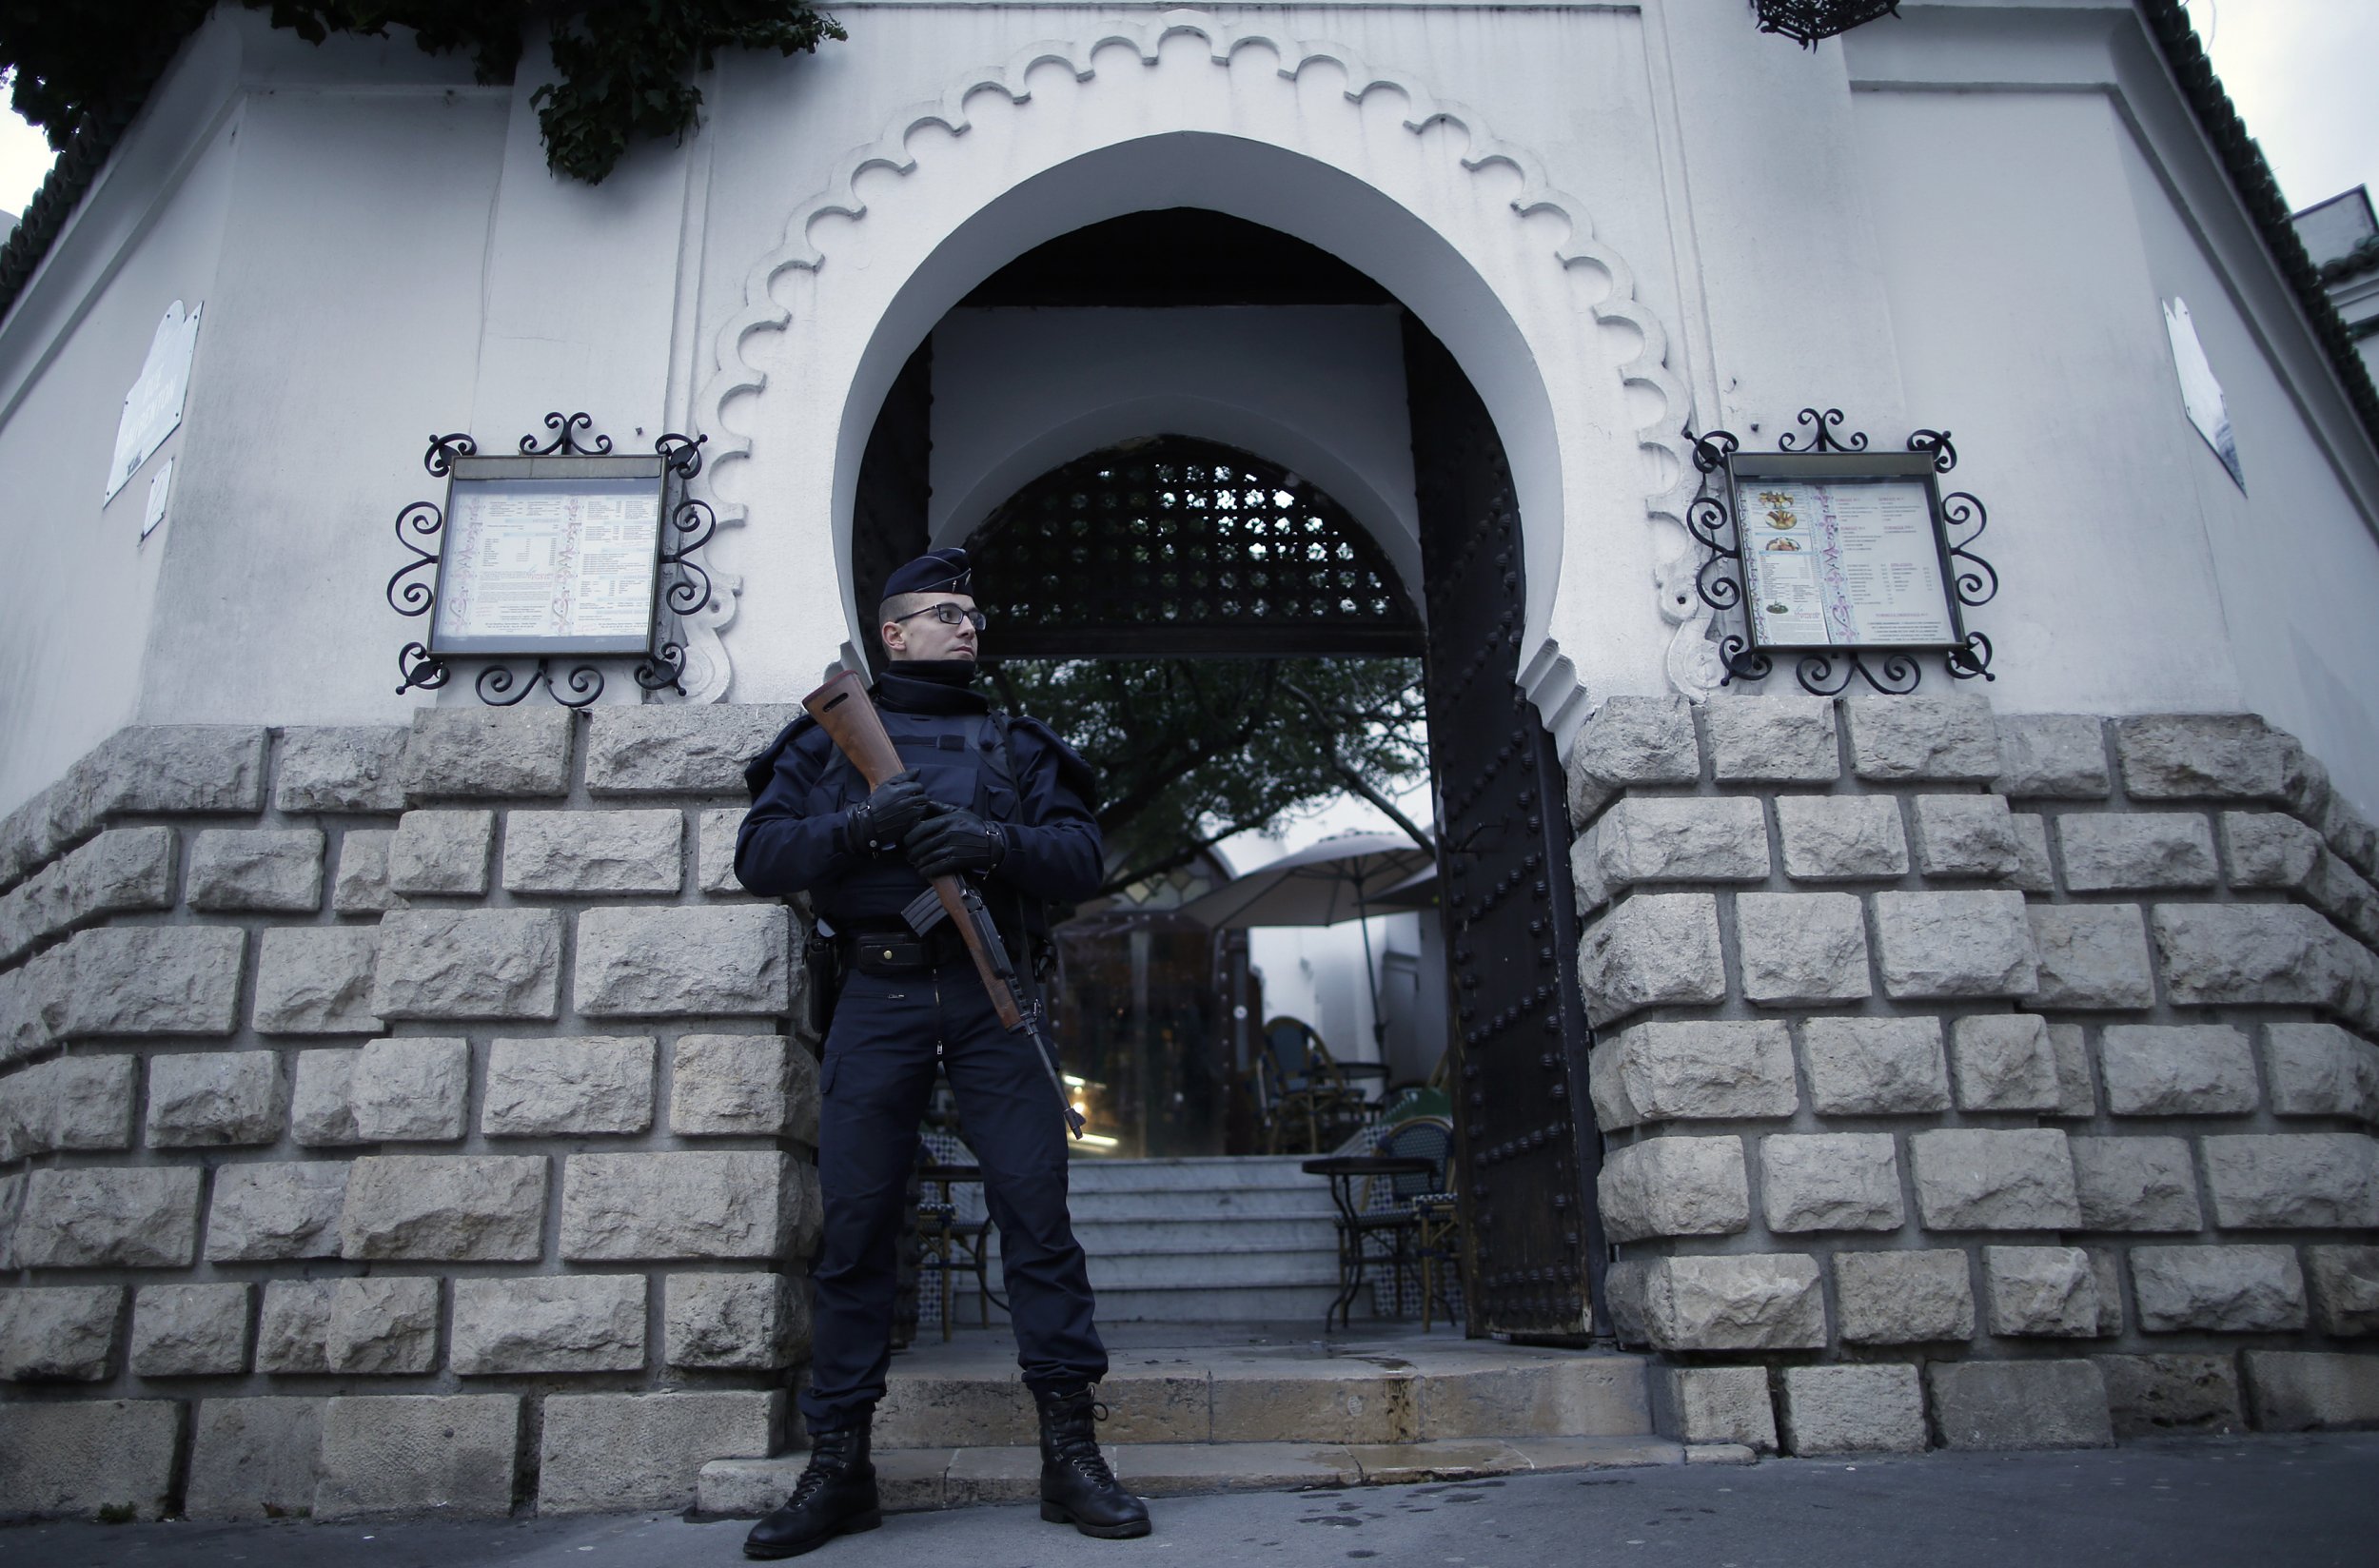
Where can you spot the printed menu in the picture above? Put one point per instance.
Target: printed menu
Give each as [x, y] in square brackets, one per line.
[549, 559]
[1841, 563]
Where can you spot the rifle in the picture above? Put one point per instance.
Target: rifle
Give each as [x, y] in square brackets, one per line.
[843, 710]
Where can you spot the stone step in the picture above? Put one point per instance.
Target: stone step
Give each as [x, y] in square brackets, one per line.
[1279, 1303]
[913, 1479]
[1415, 1390]
[1215, 1241]
[1199, 1203]
[1225, 1171]
[1206, 1275]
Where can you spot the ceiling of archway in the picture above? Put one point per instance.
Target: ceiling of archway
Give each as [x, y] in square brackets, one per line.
[1177, 546]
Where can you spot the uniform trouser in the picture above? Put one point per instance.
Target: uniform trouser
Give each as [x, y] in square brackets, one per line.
[878, 1074]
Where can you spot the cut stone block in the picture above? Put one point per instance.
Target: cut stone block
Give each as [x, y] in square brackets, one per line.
[340, 768]
[580, 1323]
[2057, 757]
[482, 754]
[141, 1218]
[2002, 1061]
[361, 886]
[1930, 737]
[272, 868]
[2309, 1390]
[58, 1334]
[2178, 1069]
[1718, 1404]
[148, 980]
[1654, 949]
[122, 870]
[214, 1099]
[1694, 1071]
[1830, 1181]
[1680, 839]
[2219, 1289]
[2271, 850]
[1974, 1179]
[316, 980]
[68, 1103]
[714, 851]
[468, 964]
[2092, 955]
[442, 853]
[1741, 1301]
[190, 1330]
[755, 1321]
[411, 1090]
[2319, 1070]
[741, 1085]
[1772, 739]
[1841, 838]
[293, 1326]
[578, 1083]
[1903, 1298]
[2201, 757]
[678, 749]
[2120, 851]
[1865, 1409]
[606, 1452]
[2280, 953]
[2077, 1094]
[254, 1458]
[2162, 1395]
[2042, 1290]
[2034, 872]
[409, 1453]
[2135, 1183]
[649, 962]
[755, 1204]
[382, 1327]
[1955, 943]
[73, 1460]
[1674, 1186]
[2346, 1288]
[487, 1206]
[322, 1113]
[1874, 1066]
[1630, 741]
[2309, 1181]
[593, 853]
[1802, 949]
[1964, 835]
[273, 1212]
[2021, 1404]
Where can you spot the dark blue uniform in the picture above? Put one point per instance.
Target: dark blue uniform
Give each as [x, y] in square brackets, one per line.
[890, 1028]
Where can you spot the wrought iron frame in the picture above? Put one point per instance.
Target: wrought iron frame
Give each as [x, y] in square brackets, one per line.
[1807, 22]
[1968, 580]
[682, 584]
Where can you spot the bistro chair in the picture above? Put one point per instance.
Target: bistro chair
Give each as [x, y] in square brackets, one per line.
[1410, 1218]
[950, 1246]
[1300, 1092]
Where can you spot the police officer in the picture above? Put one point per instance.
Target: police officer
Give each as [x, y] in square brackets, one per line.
[1005, 802]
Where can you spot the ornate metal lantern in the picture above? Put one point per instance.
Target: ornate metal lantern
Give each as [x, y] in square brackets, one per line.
[1806, 21]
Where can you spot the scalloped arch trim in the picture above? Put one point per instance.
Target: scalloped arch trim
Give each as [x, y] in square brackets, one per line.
[1660, 434]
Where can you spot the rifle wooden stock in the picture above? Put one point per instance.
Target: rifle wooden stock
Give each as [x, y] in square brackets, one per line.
[843, 710]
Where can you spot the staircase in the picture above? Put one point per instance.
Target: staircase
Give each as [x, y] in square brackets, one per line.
[1205, 1241]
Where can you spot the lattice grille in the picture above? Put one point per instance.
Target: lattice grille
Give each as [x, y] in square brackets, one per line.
[1184, 546]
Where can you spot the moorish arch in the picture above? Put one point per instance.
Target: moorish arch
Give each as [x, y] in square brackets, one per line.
[1187, 111]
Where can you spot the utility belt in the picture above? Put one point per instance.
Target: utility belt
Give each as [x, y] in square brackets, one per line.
[900, 950]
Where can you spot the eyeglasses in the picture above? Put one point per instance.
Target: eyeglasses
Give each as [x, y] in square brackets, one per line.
[949, 615]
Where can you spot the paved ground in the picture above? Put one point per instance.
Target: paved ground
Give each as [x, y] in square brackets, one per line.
[2306, 1502]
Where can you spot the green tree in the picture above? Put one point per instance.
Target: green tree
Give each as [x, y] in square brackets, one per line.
[1190, 752]
[624, 68]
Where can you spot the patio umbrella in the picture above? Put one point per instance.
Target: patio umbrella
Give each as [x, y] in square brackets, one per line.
[1338, 880]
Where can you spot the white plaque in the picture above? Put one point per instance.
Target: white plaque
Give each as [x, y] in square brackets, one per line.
[534, 566]
[160, 487]
[2201, 395]
[153, 409]
[1841, 563]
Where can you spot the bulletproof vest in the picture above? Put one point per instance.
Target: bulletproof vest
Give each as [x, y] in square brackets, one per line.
[963, 760]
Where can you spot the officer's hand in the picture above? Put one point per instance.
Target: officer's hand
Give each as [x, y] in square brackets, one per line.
[953, 840]
[884, 818]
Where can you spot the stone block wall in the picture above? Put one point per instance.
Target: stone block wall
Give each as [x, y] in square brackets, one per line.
[1980, 1081]
[396, 1118]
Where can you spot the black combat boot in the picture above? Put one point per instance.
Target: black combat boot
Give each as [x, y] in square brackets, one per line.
[1077, 1488]
[835, 1496]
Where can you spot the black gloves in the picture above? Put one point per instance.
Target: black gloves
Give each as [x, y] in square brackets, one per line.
[877, 824]
[953, 840]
